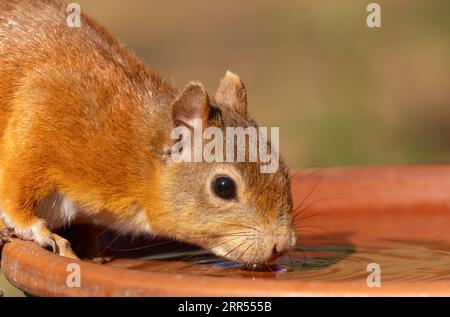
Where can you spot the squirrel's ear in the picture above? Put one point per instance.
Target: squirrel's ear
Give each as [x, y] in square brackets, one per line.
[232, 93]
[192, 103]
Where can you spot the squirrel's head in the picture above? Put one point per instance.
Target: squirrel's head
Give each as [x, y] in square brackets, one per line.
[222, 183]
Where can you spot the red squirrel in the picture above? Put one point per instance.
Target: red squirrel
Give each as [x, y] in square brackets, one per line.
[84, 130]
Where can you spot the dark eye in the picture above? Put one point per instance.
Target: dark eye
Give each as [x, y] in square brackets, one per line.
[224, 187]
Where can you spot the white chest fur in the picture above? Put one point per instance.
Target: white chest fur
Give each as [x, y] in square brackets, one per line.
[58, 210]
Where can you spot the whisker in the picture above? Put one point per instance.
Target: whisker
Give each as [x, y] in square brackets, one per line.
[305, 217]
[309, 193]
[240, 257]
[254, 256]
[233, 224]
[193, 255]
[313, 226]
[297, 214]
[225, 242]
[108, 245]
[319, 169]
[234, 249]
[315, 234]
[237, 234]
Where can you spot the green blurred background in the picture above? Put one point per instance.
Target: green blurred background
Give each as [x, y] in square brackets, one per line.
[342, 94]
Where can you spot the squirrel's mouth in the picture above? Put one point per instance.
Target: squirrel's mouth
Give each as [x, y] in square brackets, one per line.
[256, 253]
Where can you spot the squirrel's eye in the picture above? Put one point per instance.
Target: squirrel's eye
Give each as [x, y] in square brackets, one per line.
[224, 187]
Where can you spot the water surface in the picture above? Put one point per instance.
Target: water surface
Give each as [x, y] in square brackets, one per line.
[399, 262]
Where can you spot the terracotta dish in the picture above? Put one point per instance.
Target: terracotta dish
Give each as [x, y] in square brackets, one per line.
[396, 217]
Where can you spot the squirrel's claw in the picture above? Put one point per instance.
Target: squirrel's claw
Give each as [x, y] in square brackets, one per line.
[51, 243]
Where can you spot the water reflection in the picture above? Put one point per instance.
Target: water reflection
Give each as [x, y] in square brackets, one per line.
[399, 261]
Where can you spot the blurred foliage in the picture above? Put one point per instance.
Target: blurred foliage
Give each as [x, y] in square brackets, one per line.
[8, 289]
[341, 93]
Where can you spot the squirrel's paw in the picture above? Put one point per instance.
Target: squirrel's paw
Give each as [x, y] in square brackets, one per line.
[5, 236]
[40, 234]
[62, 247]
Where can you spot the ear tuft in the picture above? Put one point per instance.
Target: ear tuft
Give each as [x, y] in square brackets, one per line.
[192, 103]
[231, 93]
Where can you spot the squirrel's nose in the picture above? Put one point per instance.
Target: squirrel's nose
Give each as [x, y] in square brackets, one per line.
[281, 246]
[277, 251]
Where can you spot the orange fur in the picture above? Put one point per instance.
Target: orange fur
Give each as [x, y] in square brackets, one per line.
[82, 116]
